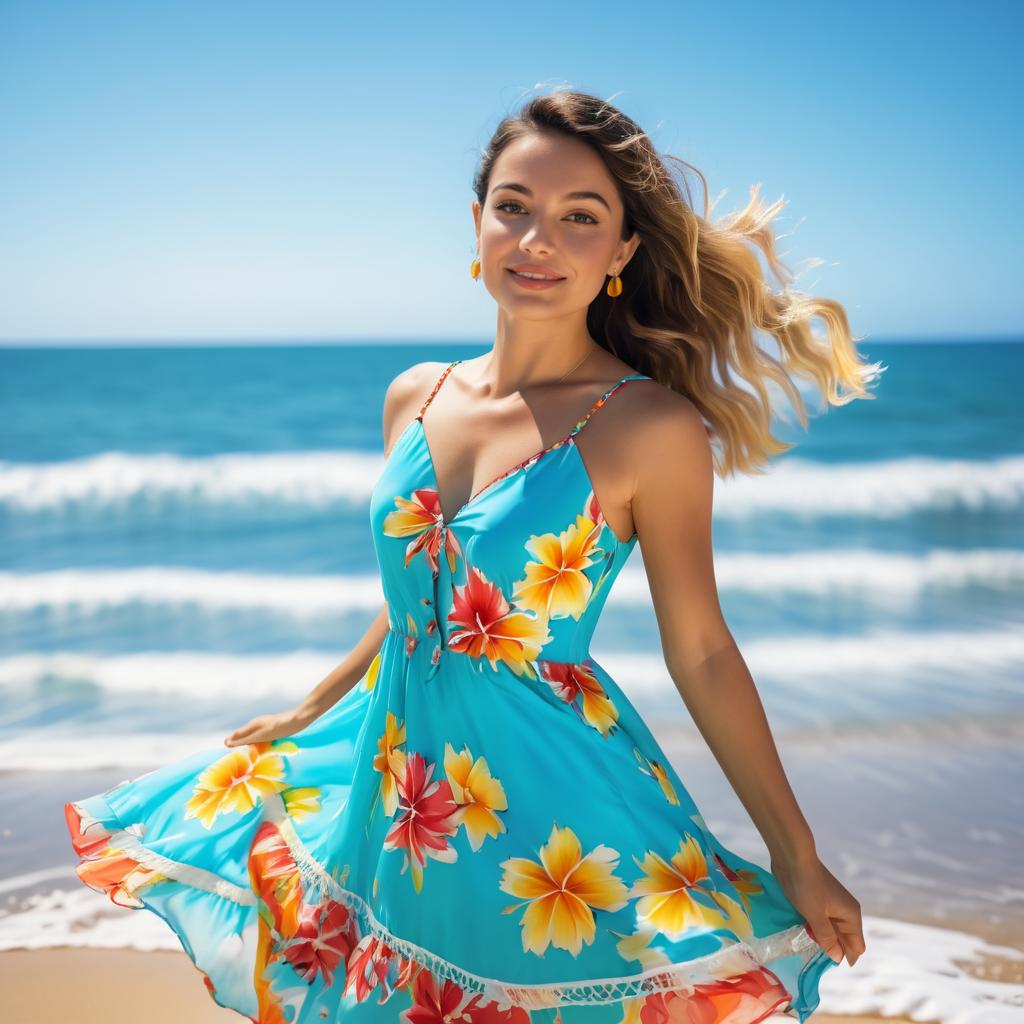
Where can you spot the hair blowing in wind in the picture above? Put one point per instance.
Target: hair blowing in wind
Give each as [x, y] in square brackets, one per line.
[695, 295]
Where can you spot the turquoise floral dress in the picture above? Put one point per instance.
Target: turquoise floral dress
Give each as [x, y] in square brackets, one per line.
[483, 830]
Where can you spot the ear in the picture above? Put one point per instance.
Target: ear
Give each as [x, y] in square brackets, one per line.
[624, 252]
[476, 218]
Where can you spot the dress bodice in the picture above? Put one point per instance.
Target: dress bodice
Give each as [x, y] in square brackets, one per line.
[518, 574]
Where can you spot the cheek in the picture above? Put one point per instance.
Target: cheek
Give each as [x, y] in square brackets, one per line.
[498, 233]
[588, 251]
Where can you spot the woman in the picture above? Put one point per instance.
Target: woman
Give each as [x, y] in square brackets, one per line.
[468, 819]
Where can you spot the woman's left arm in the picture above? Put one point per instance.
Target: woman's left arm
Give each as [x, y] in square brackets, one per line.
[671, 508]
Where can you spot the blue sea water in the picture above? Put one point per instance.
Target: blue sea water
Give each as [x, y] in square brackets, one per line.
[184, 543]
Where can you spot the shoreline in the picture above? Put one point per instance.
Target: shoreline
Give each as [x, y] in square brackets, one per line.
[123, 986]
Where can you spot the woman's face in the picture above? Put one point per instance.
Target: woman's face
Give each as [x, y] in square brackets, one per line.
[532, 219]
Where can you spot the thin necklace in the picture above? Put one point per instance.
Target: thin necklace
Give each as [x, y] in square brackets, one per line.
[576, 367]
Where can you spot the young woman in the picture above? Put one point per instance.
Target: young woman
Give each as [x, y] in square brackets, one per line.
[468, 820]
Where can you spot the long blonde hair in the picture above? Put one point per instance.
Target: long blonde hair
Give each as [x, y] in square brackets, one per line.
[694, 292]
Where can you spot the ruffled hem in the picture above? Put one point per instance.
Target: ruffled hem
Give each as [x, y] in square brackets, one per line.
[738, 984]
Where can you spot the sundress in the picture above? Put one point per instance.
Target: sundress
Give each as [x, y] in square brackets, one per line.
[483, 829]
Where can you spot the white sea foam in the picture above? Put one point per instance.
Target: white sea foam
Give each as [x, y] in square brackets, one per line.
[877, 660]
[883, 578]
[59, 751]
[818, 686]
[882, 489]
[110, 479]
[908, 970]
[92, 590]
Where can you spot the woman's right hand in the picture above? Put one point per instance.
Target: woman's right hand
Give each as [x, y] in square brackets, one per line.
[269, 727]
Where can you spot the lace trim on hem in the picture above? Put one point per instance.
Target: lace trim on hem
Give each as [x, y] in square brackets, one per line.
[735, 959]
[732, 960]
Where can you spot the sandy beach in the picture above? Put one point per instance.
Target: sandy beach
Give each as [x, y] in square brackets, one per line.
[100, 986]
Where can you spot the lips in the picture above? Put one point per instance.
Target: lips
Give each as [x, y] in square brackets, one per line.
[542, 274]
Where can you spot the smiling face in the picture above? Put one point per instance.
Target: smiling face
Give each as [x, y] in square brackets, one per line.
[553, 208]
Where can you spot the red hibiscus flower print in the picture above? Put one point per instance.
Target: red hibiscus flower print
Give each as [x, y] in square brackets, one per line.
[427, 813]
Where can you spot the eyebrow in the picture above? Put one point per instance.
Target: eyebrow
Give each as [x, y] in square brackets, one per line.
[516, 187]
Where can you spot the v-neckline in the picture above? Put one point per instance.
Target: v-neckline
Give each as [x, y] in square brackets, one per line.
[570, 438]
[447, 522]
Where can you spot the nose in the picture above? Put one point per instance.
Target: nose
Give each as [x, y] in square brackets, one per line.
[534, 241]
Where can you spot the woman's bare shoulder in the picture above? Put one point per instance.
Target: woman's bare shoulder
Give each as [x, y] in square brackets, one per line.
[670, 441]
[405, 395]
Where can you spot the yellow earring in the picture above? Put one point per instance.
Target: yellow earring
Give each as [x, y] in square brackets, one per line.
[615, 286]
[474, 268]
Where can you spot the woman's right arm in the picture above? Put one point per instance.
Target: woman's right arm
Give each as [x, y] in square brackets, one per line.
[346, 674]
[403, 397]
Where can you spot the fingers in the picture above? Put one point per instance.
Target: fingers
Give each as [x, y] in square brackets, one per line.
[853, 946]
[844, 941]
[241, 735]
[253, 731]
[824, 935]
[265, 727]
[850, 929]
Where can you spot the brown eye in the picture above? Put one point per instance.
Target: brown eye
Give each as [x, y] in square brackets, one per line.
[510, 202]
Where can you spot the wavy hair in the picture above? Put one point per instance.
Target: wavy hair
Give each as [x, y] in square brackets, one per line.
[694, 293]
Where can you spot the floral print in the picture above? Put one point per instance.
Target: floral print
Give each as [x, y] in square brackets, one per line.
[368, 860]
[488, 627]
[236, 782]
[571, 681]
[555, 584]
[426, 816]
[679, 894]
[479, 795]
[419, 517]
[563, 890]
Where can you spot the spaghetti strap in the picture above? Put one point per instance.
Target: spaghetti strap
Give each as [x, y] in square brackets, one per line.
[440, 381]
[604, 398]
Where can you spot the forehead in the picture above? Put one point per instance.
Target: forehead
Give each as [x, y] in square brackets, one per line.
[554, 163]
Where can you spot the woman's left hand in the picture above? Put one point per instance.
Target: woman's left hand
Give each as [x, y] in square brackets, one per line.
[833, 915]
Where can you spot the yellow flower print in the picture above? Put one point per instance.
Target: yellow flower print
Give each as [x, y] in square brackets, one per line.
[562, 891]
[637, 946]
[657, 771]
[239, 780]
[390, 761]
[301, 803]
[555, 585]
[668, 894]
[370, 679]
[478, 794]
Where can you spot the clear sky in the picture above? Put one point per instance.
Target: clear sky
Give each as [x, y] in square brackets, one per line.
[229, 170]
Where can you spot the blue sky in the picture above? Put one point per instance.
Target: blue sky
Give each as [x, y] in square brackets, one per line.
[229, 170]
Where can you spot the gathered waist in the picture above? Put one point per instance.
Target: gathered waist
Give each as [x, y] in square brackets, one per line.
[421, 642]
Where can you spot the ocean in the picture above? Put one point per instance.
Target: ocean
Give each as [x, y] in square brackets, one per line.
[184, 543]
